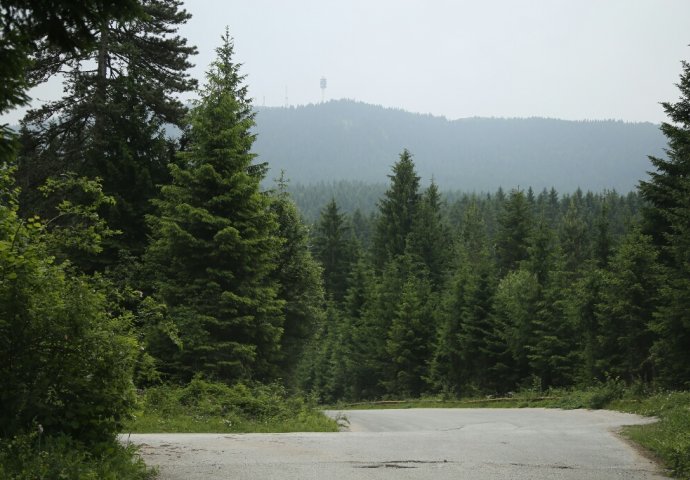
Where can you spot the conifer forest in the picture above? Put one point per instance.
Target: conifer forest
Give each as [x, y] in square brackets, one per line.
[133, 258]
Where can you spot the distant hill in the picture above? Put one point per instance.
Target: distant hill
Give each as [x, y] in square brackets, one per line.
[347, 140]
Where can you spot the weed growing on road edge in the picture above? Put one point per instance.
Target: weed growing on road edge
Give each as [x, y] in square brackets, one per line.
[209, 407]
[668, 439]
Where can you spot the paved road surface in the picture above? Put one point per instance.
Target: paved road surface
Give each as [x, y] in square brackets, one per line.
[424, 444]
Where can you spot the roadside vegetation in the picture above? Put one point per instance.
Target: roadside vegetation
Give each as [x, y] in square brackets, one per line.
[202, 407]
[34, 456]
[669, 439]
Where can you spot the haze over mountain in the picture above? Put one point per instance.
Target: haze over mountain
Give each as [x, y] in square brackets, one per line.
[347, 140]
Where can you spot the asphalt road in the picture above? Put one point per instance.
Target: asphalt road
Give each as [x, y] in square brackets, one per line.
[429, 444]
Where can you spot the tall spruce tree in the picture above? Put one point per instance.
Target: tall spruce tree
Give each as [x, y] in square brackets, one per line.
[628, 300]
[397, 211]
[574, 241]
[410, 336]
[120, 96]
[460, 358]
[512, 329]
[333, 247]
[215, 241]
[429, 237]
[299, 279]
[514, 228]
[553, 352]
[667, 220]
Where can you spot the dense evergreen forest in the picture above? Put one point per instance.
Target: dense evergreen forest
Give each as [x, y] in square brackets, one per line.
[132, 259]
[347, 140]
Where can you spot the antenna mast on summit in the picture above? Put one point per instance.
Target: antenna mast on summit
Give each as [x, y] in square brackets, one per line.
[323, 88]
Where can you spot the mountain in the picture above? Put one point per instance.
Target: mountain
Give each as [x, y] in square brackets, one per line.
[347, 140]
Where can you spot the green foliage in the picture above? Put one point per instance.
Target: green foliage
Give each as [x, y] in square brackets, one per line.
[299, 278]
[36, 457]
[410, 336]
[669, 438]
[515, 225]
[397, 209]
[667, 220]
[513, 329]
[119, 94]
[553, 350]
[334, 248]
[216, 243]
[429, 239]
[77, 227]
[628, 300]
[25, 23]
[203, 406]
[65, 362]
[465, 325]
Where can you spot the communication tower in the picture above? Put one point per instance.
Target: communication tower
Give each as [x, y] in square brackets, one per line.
[323, 88]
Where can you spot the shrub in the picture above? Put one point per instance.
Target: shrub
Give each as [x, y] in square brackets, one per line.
[204, 406]
[34, 457]
[66, 363]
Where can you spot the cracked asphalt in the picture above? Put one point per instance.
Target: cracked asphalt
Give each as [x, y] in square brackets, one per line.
[529, 443]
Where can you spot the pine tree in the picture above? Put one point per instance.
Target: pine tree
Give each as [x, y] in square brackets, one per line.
[603, 242]
[574, 240]
[553, 352]
[299, 278]
[627, 304]
[429, 237]
[375, 369]
[410, 336]
[460, 359]
[512, 329]
[515, 225]
[667, 220]
[358, 335]
[397, 211]
[551, 346]
[215, 244]
[321, 370]
[667, 182]
[111, 124]
[334, 249]
[587, 293]
[27, 23]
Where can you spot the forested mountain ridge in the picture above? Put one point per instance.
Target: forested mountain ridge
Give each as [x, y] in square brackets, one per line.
[348, 140]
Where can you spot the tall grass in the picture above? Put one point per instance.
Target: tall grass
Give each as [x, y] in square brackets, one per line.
[206, 407]
[669, 438]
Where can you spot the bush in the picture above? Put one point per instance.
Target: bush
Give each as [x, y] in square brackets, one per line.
[204, 406]
[201, 397]
[34, 457]
[66, 363]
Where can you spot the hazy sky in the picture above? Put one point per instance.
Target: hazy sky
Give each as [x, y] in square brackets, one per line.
[573, 59]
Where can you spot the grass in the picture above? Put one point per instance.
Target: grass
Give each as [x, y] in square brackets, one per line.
[206, 407]
[669, 438]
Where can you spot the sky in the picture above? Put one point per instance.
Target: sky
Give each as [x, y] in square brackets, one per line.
[570, 59]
